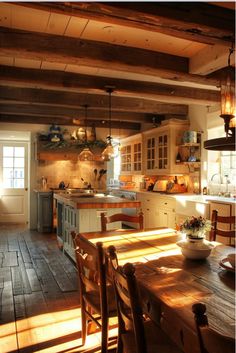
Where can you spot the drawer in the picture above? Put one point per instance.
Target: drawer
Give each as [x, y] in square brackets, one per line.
[167, 202]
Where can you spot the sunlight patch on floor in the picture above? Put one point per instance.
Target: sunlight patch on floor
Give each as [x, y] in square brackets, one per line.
[51, 332]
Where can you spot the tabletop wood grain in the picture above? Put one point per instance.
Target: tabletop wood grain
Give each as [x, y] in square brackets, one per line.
[170, 284]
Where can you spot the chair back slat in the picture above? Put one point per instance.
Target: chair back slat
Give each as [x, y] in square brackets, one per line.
[216, 227]
[96, 295]
[130, 315]
[91, 265]
[121, 217]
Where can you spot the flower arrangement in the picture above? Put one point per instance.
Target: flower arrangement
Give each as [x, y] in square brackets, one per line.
[195, 226]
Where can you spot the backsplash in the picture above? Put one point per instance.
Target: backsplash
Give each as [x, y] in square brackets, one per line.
[71, 173]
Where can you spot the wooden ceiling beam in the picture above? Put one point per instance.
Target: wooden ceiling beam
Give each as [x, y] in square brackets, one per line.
[75, 113]
[48, 120]
[65, 81]
[200, 22]
[60, 49]
[51, 98]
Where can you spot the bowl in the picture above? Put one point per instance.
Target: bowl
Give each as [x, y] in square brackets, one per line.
[197, 253]
[231, 259]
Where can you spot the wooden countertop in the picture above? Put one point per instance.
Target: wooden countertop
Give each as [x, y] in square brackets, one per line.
[85, 201]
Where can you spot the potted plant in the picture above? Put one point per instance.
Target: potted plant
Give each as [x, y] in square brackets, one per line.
[195, 227]
[195, 246]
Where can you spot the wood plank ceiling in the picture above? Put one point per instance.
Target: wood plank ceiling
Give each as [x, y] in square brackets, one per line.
[159, 58]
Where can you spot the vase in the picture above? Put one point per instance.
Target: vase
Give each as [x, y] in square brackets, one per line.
[194, 242]
[195, 248]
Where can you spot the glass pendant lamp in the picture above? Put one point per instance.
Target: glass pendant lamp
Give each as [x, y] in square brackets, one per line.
[109, 151]
[86, 154]
[227, 91]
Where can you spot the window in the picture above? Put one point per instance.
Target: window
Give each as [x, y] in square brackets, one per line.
[13, 167]
[228, 166]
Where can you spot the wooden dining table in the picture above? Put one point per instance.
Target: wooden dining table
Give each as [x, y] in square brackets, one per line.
[170, 284]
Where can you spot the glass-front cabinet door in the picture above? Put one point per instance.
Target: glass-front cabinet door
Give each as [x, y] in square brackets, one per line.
[163, 152]
[126, 158]
[150, 153]
[137, 157]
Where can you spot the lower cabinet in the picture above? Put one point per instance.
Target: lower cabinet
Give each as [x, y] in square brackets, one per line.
[45, 212]
[82, 220]
[158, 210]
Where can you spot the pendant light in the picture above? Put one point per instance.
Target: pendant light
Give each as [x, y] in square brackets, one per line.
[227, 91]
[86, 154]
[109, 151]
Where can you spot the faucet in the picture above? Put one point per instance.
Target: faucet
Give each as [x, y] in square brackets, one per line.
[219, 176]
[227, 193]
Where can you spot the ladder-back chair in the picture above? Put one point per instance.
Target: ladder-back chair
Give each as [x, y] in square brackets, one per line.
[216, 230]
[135, 333]
[122, 218]
[210, 341]
[96, 294]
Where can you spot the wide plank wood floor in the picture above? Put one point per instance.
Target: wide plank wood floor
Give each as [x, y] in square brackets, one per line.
[39, 296]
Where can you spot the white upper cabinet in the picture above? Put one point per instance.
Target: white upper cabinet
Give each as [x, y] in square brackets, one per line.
[131, 155]
[154, 152]
[160, 148]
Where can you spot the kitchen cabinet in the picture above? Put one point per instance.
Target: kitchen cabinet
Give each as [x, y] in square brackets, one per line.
[45, 211]
[131, 155]
[149, 209]
[161, 148]
[158, 210]
[83, 220]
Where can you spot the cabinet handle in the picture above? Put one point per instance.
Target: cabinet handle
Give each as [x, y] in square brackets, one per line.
[165, 213]
[165, 203]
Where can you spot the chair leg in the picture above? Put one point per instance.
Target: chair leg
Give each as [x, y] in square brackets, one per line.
[104, 335]
[84, 323]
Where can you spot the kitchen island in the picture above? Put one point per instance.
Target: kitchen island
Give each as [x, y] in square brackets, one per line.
[82, 212]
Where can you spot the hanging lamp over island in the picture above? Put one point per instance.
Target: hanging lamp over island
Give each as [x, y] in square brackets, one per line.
[227, 91]
[109, 151]
[86, 154]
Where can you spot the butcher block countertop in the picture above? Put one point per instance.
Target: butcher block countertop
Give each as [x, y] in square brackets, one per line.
[83, 201]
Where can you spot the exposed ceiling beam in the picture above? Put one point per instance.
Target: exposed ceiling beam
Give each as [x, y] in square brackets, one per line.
[193, 21]
[210, 59]
[48, 120]
[75, 113]
[65, 81]
[51, 98]
[59, 49]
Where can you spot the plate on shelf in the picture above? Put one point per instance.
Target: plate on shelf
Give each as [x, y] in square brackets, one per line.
[227, 265]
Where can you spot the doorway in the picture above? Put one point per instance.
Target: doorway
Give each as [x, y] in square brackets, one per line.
[14, 190]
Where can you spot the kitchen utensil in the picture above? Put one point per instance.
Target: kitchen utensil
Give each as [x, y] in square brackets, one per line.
[101, 173]
[95, 173]
[62, 185]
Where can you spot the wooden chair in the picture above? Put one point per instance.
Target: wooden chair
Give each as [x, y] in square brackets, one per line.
[135, 334]
[119, 217]
[210, 341]
[97, 296]
[215, 219]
